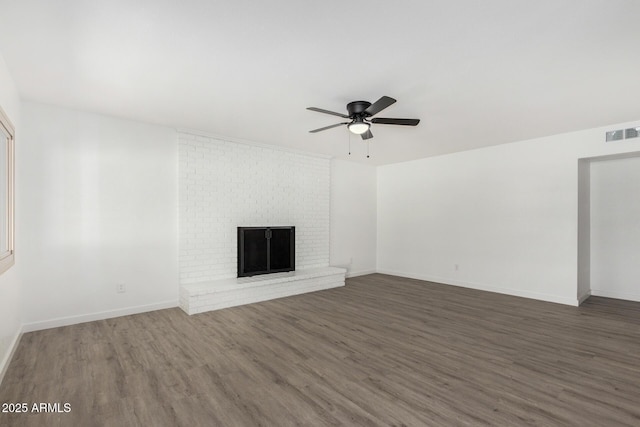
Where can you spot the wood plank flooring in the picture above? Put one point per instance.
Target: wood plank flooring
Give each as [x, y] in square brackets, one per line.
[382, 350]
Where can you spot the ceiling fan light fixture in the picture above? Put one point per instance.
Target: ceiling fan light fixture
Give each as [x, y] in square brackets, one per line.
[358, 127]
[361, 115]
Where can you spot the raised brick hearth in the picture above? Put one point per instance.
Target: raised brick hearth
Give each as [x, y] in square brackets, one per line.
[216, 294]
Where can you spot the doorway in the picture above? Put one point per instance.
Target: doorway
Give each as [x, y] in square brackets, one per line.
[609, 227]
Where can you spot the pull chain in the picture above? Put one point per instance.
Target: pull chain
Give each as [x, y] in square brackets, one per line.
[367, 149]
[349, 136]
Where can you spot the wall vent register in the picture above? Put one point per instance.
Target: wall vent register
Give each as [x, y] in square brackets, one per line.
[620, 134]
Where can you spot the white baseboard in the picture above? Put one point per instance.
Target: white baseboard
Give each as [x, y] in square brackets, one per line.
[4, 365]
[615, 294]
[360, 273]
[584, 297]
[82, 318]
[482, 287]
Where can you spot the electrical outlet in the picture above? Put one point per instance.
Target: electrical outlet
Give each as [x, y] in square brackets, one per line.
[120, 288]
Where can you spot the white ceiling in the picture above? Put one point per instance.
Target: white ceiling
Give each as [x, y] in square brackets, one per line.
[476, 73]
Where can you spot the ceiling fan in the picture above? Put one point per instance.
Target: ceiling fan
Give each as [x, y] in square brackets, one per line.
[360, 113]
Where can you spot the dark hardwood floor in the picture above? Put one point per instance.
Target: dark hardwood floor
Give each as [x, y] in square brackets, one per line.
[381, 351]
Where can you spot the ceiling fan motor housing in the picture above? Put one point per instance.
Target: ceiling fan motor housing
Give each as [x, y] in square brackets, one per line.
[357, 108]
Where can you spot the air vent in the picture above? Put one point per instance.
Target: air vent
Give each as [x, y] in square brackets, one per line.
[620, 134]
[615, 135]
[631, 133]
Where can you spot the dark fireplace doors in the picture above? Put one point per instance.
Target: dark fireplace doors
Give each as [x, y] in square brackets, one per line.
[263, 250]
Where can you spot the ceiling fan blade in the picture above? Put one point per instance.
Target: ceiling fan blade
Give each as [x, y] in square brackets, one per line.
[367, 135]
[328, 127]
[403, 122]
[333, 113]
[379, 105]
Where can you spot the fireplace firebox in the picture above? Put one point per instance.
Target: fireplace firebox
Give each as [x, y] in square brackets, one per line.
[264, 250]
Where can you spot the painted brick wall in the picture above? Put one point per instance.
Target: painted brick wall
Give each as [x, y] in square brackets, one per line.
[223, 185]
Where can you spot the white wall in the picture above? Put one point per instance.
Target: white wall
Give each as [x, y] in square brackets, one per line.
[225, 184]
[10, 285]
[353, 217]
[98, 207]
[506, 215]
[584, 230]
[615, 228]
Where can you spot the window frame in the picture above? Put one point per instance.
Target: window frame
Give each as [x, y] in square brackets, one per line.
[7, 258]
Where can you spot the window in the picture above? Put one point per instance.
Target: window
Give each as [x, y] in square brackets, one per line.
[6, 192]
